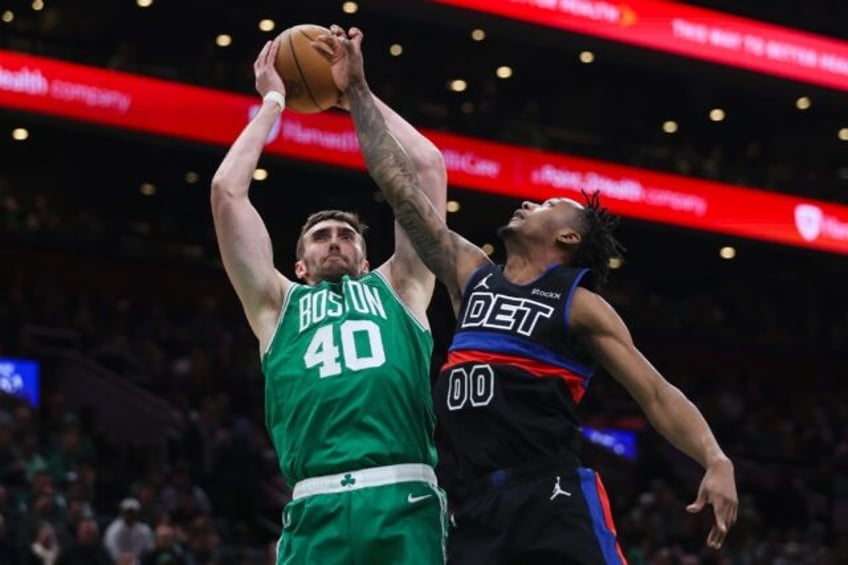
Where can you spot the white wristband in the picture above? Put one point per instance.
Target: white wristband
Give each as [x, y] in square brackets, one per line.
[277, 97]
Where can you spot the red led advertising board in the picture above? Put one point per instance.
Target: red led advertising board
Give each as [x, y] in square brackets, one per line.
[689, 31]
[121, 100]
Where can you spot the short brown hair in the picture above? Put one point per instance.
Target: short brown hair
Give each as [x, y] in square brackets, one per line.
[350, 218]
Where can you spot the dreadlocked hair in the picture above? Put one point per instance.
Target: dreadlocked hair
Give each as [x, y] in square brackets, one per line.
[598, 244]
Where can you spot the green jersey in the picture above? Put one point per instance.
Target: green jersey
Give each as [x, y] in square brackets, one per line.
[347, 380]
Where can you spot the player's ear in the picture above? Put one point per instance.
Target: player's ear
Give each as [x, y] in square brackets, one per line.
[568, 237]
[366, 266]
[300, 270]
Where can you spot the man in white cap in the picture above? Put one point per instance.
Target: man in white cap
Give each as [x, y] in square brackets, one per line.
[126, 537]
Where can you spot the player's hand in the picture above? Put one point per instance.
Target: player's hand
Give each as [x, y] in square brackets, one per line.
[718, 488]
[344, 53]
[267, 77]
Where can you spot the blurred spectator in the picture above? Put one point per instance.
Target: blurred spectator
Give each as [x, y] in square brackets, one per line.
[39, 505]
[11, 464]
[32, 459]
[126, 536]
[24, 424]
[166, 550]
[87, 549]
[9, 550]
[181, 497]
[77, 512]
[44, 549]
[204, 543]
[64, 458]
[152, 510]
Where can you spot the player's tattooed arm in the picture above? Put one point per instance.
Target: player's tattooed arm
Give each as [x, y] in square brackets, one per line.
[393, 171]
[443, 251]
[450, 257]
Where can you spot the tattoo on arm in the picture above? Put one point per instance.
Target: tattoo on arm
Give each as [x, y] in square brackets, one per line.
[395, 174]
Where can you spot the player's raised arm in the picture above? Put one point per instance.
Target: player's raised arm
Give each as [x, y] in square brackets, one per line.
[449, 256]
[408, 273]
[242, 236]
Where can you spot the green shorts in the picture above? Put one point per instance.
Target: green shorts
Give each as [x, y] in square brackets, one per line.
[384, 515]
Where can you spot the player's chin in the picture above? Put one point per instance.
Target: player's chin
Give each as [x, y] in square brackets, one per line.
[507, 231]
[335, 272]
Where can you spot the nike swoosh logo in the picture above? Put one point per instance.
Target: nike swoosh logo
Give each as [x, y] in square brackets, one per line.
[413, 499]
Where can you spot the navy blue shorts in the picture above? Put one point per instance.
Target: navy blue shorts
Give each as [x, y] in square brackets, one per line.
[557, 516]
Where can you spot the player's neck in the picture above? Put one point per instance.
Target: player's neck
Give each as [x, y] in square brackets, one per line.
[523, 268]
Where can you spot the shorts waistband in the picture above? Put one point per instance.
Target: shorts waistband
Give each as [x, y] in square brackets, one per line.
[363, 478]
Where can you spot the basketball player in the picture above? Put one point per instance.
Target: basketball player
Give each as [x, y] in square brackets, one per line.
[346, 354]
[529, 336]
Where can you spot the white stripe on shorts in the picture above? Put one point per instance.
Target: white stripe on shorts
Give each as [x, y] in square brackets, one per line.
[363, 478]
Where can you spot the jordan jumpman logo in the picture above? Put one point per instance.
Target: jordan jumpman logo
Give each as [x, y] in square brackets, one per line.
[558, 490]
[483, 283]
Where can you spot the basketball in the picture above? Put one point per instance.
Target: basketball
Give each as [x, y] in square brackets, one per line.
[306, 74]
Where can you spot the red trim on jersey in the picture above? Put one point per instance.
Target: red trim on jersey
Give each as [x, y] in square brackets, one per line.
[602, 495]
[574, 382]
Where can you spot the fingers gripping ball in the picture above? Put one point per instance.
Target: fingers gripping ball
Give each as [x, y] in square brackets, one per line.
[309, 81]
